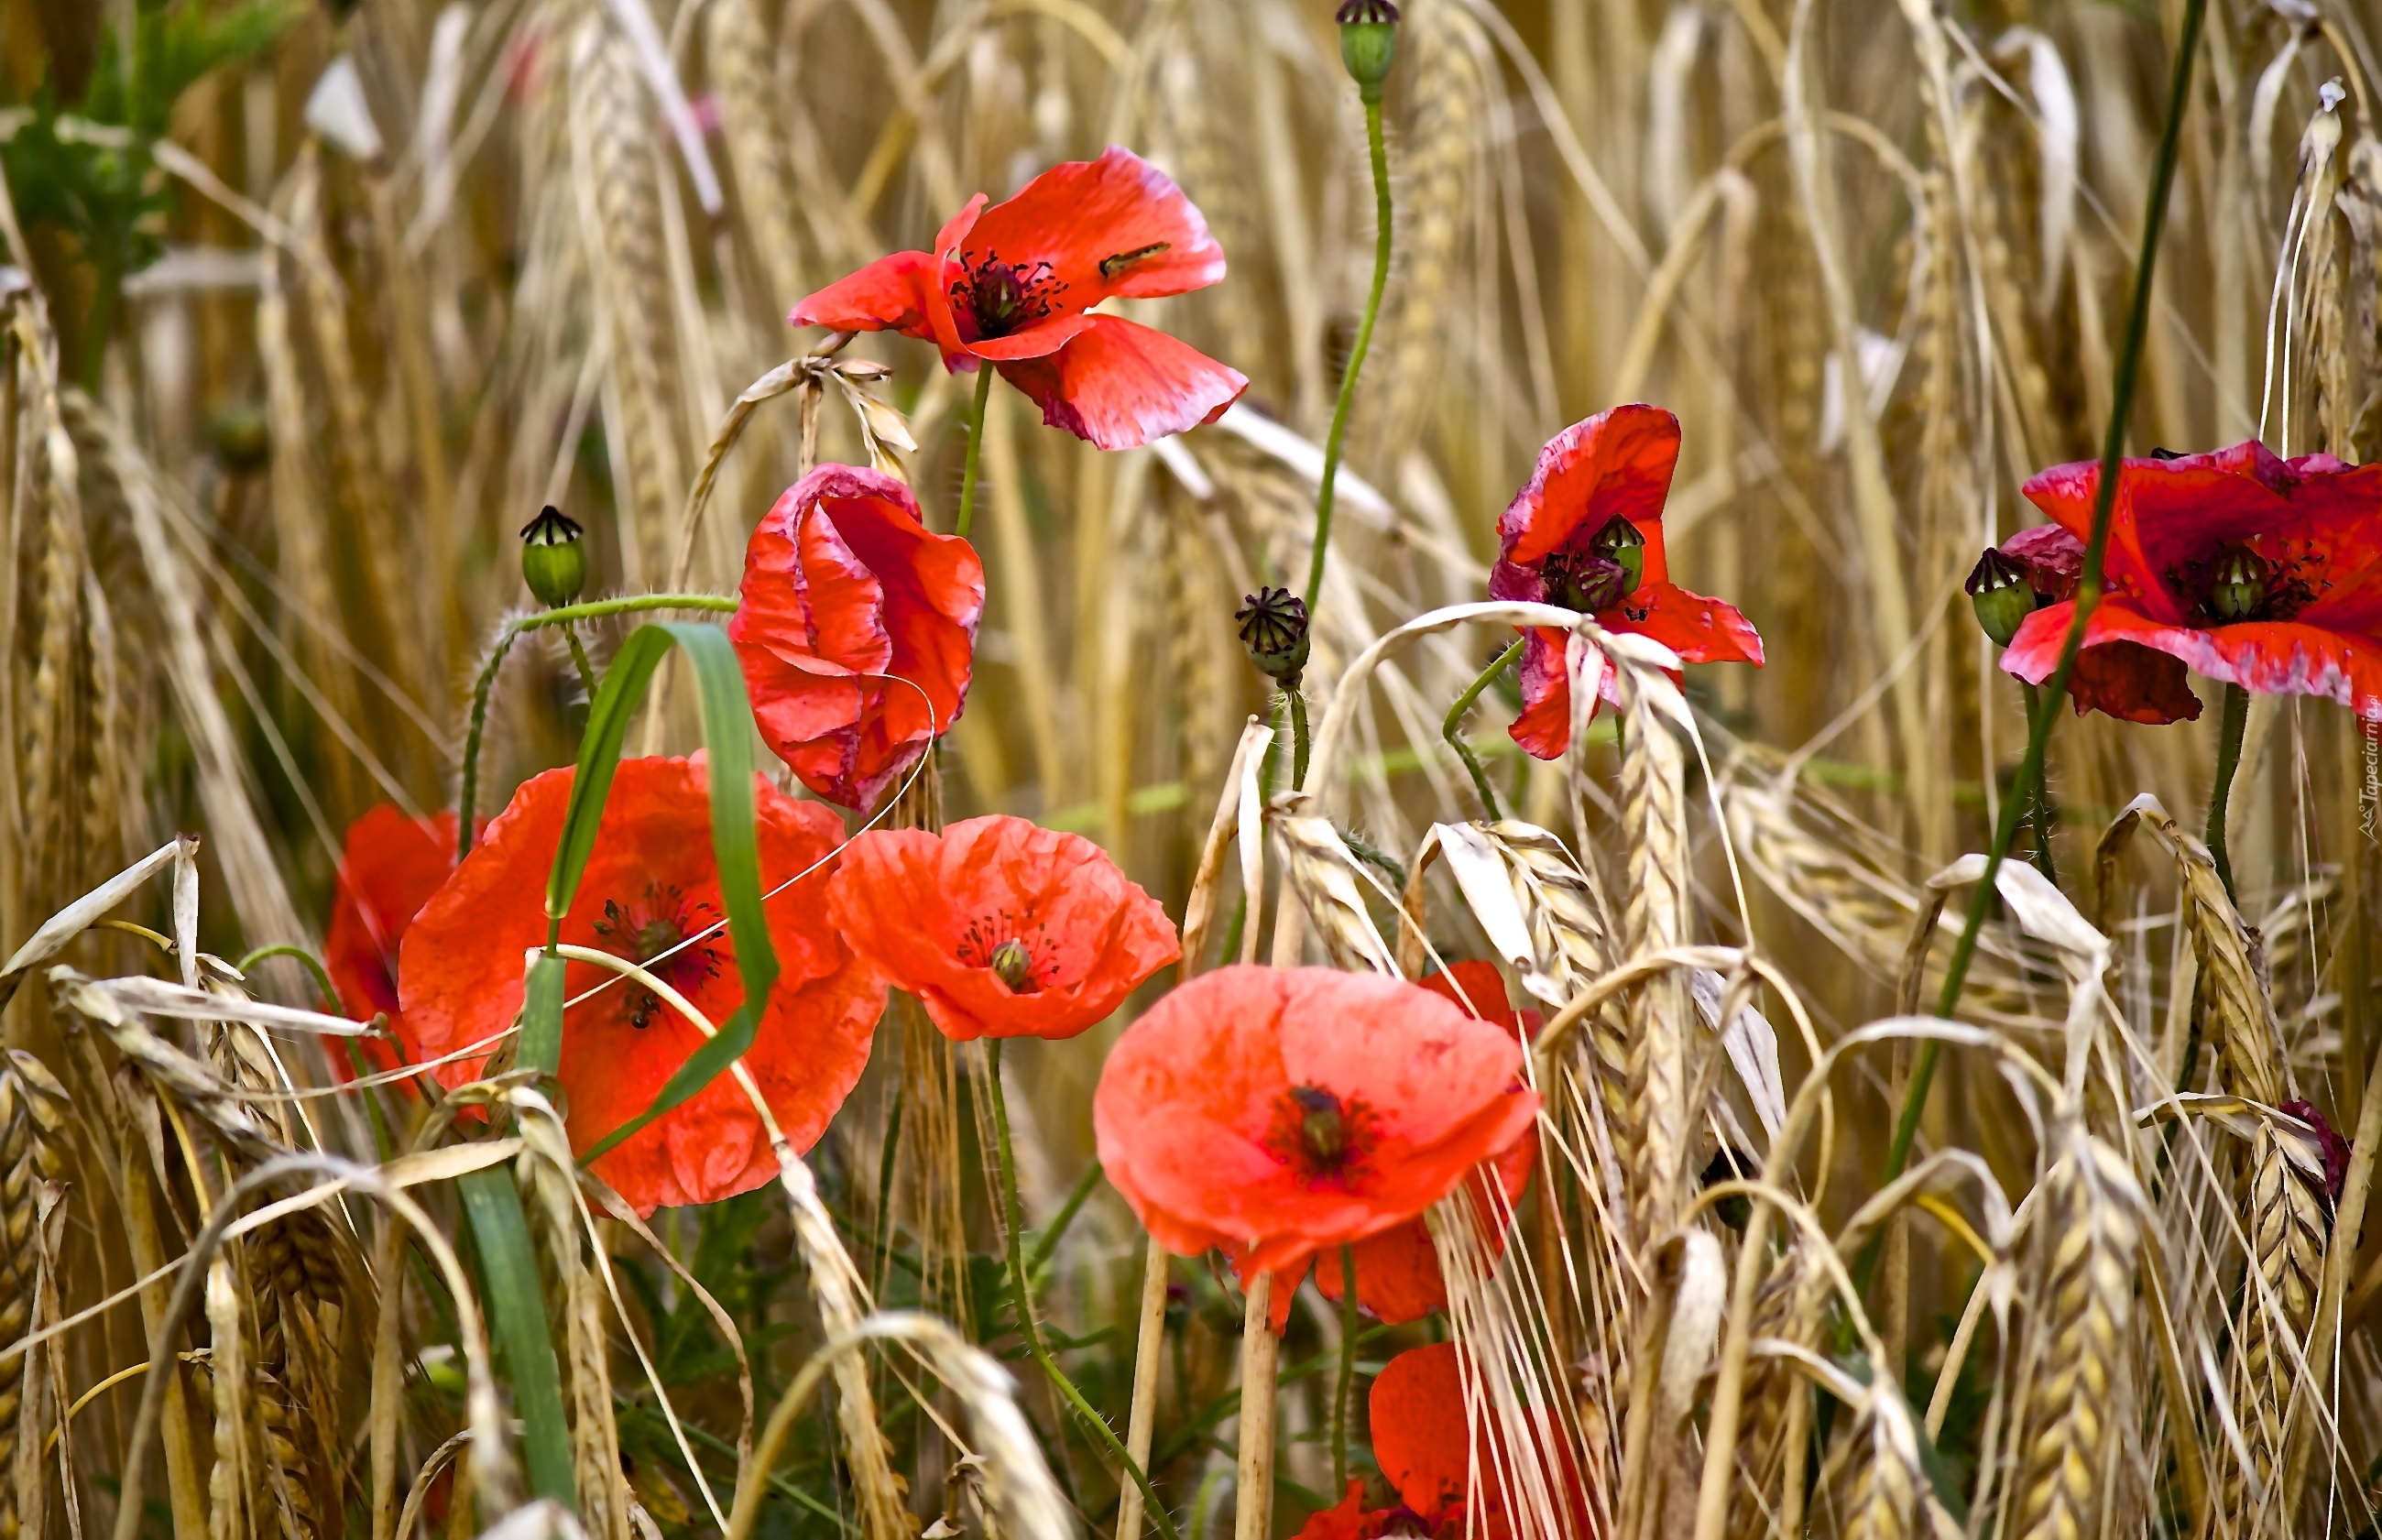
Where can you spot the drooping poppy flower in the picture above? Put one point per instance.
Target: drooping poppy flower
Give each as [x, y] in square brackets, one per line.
[1011, 286]
[651, 893]
[1440, 1466]
[1275, 1113]
[388, 868]
[2237, 564]
[1586, 532]
[1001, 928]
[856, 627]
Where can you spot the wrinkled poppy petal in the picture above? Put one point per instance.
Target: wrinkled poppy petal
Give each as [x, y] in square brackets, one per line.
[2054, 558]
[651, 892]
[2129, 668]
[1700, 630]
[1618, 461]
[935, 912]
[894, 293]
[1346, 1521]
[1119, 385]
[1112, 226]
[1420, 1437]
[388, 868]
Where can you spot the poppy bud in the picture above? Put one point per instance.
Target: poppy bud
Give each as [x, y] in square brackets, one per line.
[1273, 629]
[243, 442]
[554, 563]
[1322, 1129]
[1014, 965]
[1369, 44]
[2004, 597]
[1620, 543]
[2240, 586]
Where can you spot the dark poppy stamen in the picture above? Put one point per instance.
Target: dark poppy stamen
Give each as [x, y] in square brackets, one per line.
[998, 944]
[652, 932]
[1001, 296]
[1320, 1134]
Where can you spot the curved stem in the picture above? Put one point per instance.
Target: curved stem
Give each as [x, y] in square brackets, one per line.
[1347, 1369]
[471, 737]
[2046, 820]
[579, 659]
[2088, 588]
[1298, 737]
[313, 966]
[2228, 759]
[975, 450]
[1332, 445]
[1012, 1224]
[625, 604]
[1453, 728]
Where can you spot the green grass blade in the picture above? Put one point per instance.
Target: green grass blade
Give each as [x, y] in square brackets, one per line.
[517, 1311]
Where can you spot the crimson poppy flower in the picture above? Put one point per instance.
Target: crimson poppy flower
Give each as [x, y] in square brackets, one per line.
[1586, 532]
[1278, 1112]
[1001, 928]
[1351, 1519]
[856, 627]
[1436, 1462]
[388, 870]
[651, 893]
[2240, 565]
[1011, 286]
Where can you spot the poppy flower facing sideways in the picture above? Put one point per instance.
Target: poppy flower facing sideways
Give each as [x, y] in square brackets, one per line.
[856, 627]
[390, 867]
[1586, 532]
[1011, 286]
[1001, 928]
[651, 893]
[1276, 1112]
[2237, 564]
[1438, 1465]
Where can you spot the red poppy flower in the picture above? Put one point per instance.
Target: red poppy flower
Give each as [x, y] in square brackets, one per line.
[1011, 286]
[1277, 1112]
[1350, 1520]
[2245, 567]
[1001, 928]
[1591, 511]
[651, 892]
[390, 867]
[1438, 1464]
[856, 625]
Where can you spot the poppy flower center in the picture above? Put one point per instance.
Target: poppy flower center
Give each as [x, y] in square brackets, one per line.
[1320, 1135]
[2237, 582]
[1583, 581]
[1003, 945]
[651, 931]
[1001, 296]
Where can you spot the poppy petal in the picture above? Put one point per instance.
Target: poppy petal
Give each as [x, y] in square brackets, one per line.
[390, 867]
[1420, 1436]
[894, 293]
[1618, 461]
[1119, 385]
[1112, 226]
[1700, 630]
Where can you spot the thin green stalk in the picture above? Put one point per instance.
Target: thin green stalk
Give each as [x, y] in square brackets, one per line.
[579, 659]
[2088, 594]
[983, 373]
[1040, 1262]
[1453, 728]
[1347, 1370]
[885, 1168]
[1297, 736]
[2228, 759]
[2046, 820]
[1012, 1222]
[625, 604]
[469, 794]
[1332, 444]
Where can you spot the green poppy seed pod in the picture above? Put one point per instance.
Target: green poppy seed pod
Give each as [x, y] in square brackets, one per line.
[1014, 965]
[1620, 543]
[1273, 631]
[1323, 1124]
[243, 442]
[554, 563]
[2002, 593]
[2242, 576]
[1369, 44]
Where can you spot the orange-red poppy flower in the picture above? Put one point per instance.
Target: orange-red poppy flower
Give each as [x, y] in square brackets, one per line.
[2258, 570]
[1586, 532]
[390, 867]
[1278, 1112]
[1001, 928]
[1440, 1466]
[651, 894]
[1011, 286]
[1351, 1519]
[856, 625]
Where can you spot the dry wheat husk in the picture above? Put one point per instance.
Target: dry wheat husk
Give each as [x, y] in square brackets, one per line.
[33, 1113]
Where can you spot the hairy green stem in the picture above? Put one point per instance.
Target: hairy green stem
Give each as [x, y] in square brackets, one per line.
[2045, 820]
[983, 373]
[469, 793]
[1338, 436]
[1012, 1224]
[1347, 1370]
[626, 604]
[1453, 728]
[1298, 738]
[2088, 594]
[2228, 759]
[579, 659]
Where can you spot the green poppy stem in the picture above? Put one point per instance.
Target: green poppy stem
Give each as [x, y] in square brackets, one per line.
[2088, 598]
[2228, 759]
[1012, 1224]
[1347, 1370]
[975, 449]
[1338, 436]
[1298, 736]
[1453, 728]
[580, 661]
[2046, 820]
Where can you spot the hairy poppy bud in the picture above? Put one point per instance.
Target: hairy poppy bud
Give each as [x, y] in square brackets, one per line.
[2004, 596]
[1369, 44]
[554, 563]
[1620, 543]
[1014, 965]
[1273, 629]
[2240, 586]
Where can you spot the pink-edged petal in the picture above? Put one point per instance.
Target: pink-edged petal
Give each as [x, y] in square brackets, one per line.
[2119, 671]
[1618, 461]
[1112, 226]
[1120, 385]
[894, 293]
